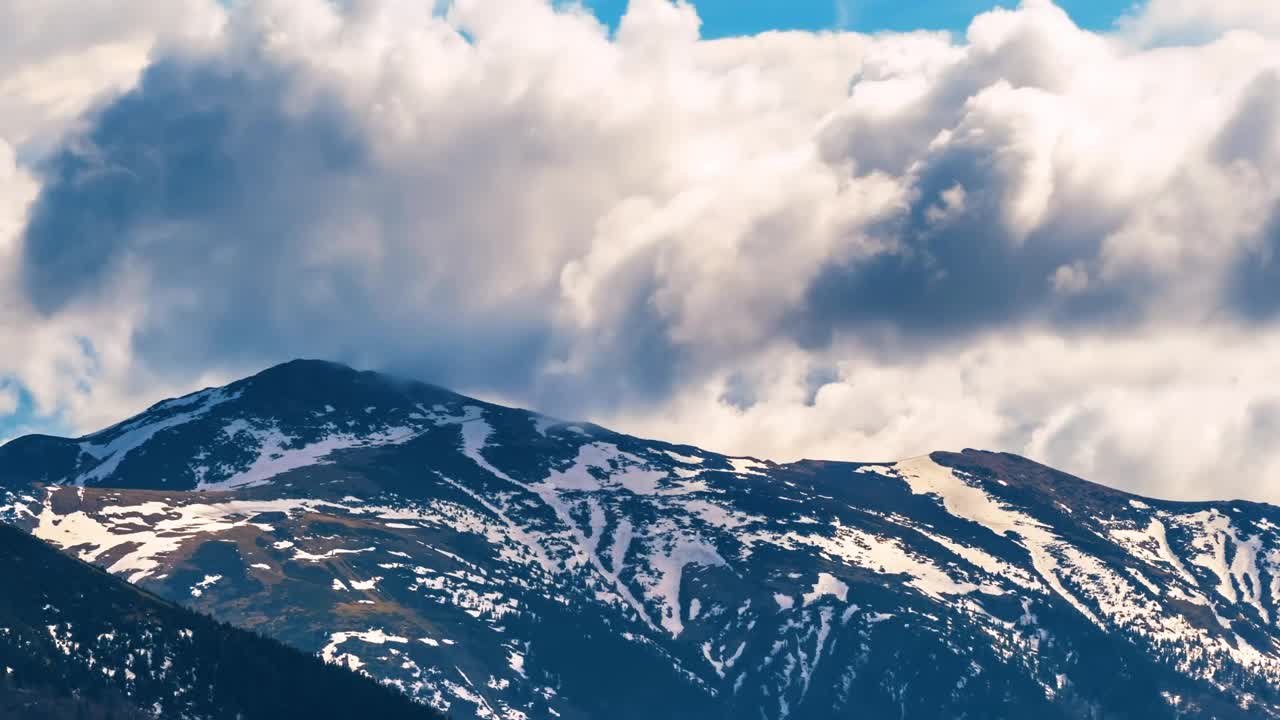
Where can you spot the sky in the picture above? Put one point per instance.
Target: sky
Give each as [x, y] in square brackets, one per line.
[727, 18]
[891, 229]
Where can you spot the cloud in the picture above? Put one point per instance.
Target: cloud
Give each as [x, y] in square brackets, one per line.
[1174, 413]
[57, 57]
[59, 60]
[1175, 21]
[9, 399]
[1033, 238]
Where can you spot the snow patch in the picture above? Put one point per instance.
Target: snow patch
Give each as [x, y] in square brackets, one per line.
[137, 432]
[827, 584]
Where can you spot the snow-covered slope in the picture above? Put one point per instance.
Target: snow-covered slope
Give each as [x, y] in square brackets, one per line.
[78, 643]
[501, 564]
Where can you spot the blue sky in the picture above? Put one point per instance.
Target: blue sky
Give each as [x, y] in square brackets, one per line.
[723, 18]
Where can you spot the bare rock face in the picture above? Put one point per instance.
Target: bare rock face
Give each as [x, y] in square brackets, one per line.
[496, 563]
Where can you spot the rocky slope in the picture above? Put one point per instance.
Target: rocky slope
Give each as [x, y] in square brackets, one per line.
[497, 563]
[78, 643]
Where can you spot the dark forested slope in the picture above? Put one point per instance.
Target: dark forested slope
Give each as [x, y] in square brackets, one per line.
[76, 642]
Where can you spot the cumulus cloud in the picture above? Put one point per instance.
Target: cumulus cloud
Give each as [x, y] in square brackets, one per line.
[1032, 238]
[57, 56]
[1173, 21]
[9, 399]
[59, 60]
[1188, 414]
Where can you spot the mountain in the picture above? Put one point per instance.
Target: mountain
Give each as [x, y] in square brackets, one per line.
[76, 642]
[497, 563]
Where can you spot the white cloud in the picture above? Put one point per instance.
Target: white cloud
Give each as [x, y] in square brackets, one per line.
[57, 60]
[59, 56]
[1037, 238]
[1172, 21]
[8, 399]
[1172, 412]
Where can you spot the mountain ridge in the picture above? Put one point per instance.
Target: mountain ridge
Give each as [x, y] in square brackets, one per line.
[476, 555]
[301, 370]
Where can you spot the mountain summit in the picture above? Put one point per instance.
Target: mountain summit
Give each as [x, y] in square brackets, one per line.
[496, 563]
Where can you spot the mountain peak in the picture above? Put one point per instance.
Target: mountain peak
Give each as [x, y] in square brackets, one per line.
[287, 416]
[307, 367]
[309, 381]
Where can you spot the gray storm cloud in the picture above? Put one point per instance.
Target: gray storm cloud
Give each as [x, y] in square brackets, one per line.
[1033, 238]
